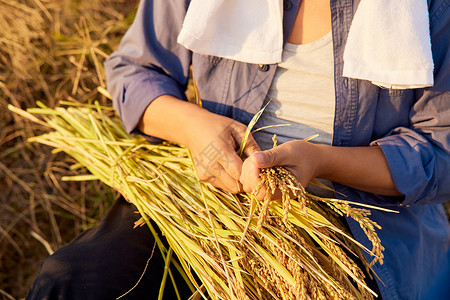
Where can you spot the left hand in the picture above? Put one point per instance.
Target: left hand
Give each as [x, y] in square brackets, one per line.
[299, 157]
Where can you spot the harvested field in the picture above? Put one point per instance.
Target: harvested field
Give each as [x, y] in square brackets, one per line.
[50, 50]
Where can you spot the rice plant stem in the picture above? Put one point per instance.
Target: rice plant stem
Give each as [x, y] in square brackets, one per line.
[163, 250]
[166, 271]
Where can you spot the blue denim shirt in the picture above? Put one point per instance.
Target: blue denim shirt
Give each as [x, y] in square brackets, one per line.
[412, 127]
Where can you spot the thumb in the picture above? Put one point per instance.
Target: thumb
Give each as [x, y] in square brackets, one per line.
[268, 158]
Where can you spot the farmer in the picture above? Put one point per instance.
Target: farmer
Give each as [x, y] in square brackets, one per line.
[362, 74]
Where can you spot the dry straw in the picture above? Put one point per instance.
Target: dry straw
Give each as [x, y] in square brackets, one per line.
[239, 248]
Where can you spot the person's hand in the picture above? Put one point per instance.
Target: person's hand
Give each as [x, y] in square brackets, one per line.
[211, 138]
[299, 157]
[213, 141]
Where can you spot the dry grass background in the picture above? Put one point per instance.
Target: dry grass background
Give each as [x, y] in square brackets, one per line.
[50, 50]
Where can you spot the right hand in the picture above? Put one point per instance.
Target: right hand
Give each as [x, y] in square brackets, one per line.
[212, 139]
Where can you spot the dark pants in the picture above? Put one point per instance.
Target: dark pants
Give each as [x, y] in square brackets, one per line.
[107, 261]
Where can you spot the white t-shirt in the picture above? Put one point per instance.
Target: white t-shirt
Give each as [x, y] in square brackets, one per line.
[301, 94]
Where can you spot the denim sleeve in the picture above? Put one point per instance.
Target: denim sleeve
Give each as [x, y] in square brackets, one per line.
[419, 156]
[149, 62]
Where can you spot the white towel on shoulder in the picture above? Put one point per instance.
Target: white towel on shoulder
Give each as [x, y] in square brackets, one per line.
[388, 43]
[244, 30]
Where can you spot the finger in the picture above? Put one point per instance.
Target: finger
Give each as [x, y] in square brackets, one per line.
[250, 179]
[278, 156]
[216, 182]
[251, 146]
[261, 194]
[218, 177]
[277, 196]
[249, 176]
[231, 184]
[231, 162]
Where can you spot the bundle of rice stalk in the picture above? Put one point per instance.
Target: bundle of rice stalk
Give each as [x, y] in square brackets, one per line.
[238, 248]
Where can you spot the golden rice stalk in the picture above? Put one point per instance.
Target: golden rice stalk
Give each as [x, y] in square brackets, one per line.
[296, 252]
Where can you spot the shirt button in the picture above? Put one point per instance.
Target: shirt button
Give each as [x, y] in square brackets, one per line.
[264, 68]
[287, 5]
[345, 81]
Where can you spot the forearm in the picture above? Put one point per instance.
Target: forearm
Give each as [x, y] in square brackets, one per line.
[169, 118]
[364, 168]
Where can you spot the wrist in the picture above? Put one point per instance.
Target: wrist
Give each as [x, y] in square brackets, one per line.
[185, 125]
[170, 119]
[319, 159]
